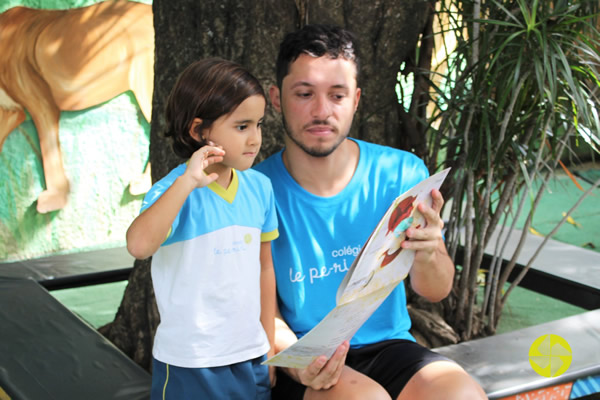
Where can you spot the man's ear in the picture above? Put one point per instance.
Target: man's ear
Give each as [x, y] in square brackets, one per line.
[358, 93]
[193, 131]
[274, 95]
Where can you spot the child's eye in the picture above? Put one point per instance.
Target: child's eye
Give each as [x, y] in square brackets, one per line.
[242, 127]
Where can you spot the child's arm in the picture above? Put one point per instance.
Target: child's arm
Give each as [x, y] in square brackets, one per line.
[268, 301]
[149, 230]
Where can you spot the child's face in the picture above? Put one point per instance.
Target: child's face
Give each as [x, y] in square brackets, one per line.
[239, 133]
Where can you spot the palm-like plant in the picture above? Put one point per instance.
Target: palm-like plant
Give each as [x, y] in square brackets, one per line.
[522, 81]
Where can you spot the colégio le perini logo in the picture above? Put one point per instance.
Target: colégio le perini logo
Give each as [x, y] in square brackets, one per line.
[550, 355]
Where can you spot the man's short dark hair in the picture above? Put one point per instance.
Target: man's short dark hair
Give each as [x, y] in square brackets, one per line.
[316, 40]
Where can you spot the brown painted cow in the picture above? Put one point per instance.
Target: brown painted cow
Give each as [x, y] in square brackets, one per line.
[67, 60]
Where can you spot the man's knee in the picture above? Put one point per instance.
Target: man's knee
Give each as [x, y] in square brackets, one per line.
[461, 386]
[442, 380]
[352, 385]
[357, 392]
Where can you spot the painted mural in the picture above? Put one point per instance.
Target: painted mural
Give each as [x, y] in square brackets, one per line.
[75, 104]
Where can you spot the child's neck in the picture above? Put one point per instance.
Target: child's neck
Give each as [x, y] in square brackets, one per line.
[225, 174]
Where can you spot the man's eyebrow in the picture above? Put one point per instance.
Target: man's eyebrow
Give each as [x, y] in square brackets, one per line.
[302, 83]
[308, 84]
[340, 86]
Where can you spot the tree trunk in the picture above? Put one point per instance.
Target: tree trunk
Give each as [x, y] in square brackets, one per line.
[428, 324]
[249, 32]
[137, 318]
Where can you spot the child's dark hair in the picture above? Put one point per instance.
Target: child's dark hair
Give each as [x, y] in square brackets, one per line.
[206, 89]
[316, 40]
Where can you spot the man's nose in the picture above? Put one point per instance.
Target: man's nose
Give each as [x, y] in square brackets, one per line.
[321, 109]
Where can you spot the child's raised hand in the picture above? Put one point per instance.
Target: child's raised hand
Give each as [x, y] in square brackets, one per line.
[202, 158]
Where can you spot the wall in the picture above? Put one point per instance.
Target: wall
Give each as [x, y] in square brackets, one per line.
[104, 148]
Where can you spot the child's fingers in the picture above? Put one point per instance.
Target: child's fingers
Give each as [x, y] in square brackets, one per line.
[212, 160]
[213, 155]
[210, 178]
[200, 160]
[213, 144]
[210, 151]
[208, 155]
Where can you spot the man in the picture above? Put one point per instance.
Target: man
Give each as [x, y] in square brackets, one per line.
[330, 193]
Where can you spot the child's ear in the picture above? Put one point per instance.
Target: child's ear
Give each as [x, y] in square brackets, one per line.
[194, 130]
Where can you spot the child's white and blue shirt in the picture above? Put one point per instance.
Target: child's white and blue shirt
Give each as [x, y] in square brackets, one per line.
[206, 275]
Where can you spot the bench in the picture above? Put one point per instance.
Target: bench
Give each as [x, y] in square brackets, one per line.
[47, 352]
[33, 343]
[73, 270]
[561, 270]
[500, 363]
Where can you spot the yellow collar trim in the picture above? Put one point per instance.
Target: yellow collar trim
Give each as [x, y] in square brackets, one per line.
[227, 194]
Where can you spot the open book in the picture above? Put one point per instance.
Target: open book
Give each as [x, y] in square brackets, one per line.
[379, 267]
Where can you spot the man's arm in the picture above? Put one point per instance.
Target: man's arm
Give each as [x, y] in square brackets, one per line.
[432, 273]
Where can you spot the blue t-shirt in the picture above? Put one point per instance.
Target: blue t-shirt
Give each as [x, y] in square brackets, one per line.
[321, 236]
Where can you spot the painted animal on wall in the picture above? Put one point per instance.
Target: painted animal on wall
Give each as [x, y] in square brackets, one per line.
[70, 60]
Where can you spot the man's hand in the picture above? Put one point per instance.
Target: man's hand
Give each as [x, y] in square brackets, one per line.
[322, 374]
[426, 240]
[432, 273]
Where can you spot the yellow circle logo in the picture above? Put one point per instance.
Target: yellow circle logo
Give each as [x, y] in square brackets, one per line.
[550, 355]
[247, 238]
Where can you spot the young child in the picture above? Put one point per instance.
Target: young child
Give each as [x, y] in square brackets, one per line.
[208, 226]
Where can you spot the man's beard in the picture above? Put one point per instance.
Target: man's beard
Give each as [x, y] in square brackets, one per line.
[313, 151]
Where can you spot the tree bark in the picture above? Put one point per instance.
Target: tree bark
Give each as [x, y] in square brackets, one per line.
[249, 32]
[429, 327]
[136, 320]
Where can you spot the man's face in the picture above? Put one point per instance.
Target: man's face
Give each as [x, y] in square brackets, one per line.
[318, 99]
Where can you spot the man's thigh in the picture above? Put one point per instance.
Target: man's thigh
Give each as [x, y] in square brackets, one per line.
[352, 385]
[392, 363]
[382, 369]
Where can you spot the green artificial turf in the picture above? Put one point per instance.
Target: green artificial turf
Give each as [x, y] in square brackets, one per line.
[95, 304]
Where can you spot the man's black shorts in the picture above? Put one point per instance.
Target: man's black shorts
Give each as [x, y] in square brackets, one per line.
[390, 363]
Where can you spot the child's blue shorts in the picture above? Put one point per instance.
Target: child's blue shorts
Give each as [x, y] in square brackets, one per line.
[244, 380]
